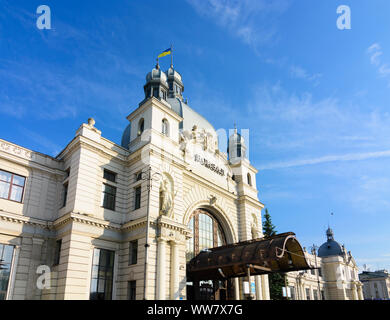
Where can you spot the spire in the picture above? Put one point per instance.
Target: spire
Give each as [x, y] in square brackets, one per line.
[330, 234]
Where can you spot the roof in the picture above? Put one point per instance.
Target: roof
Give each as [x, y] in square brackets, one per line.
[190, 116]
[373, 274]
[330, 247]
[279, 253]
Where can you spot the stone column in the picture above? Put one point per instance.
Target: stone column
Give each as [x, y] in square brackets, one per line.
[174, 271]
[236, 289]
[160, 278]
[360, 293]
[259, 293]
[265, 287]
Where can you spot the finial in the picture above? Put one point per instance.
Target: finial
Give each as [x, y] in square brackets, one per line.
[235, 127]
[157, 65]
[91, 122]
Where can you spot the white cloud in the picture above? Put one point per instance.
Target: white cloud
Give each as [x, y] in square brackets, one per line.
[246, 19]
[300, 73]
[330, 158]
[376, 53]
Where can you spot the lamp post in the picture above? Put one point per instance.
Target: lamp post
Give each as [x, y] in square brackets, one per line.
[314, 251]
[150, 177]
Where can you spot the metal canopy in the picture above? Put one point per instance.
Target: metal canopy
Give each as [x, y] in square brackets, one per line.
[279, 253]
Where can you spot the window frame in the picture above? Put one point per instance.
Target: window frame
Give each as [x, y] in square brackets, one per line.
[217, 230]
[109, 172]
[105, 271]
[104, 193]
[133, 252]
[132, 290]
[137, 204]
[11, 184]
[57, 252]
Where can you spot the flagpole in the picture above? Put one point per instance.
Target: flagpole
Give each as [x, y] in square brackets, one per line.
[171, 56]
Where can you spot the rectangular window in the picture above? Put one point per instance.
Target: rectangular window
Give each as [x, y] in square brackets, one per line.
[109, 175]
[57, 252]
[307, 294]
[292, 291]
[313, 272]
[133, 252]
[67, 173]
[315, 294]
[102, 274]
[132, 290]
[137, 202]
[320, 272]
[11, 186]
[108, 197]
[6, 254]
[65, 194]
[322, 294]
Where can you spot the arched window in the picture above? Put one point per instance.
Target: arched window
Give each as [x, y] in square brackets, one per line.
[249, 179]
[207, 233]
[141, 126]
[165, 127]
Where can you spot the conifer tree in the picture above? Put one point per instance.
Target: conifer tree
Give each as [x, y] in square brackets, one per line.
[276, 280]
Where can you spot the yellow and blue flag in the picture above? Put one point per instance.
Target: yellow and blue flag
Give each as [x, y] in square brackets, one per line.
[165, 53]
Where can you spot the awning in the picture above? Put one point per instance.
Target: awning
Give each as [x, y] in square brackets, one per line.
[279, 253]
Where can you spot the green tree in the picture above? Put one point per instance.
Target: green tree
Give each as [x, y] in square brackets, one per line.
[276, 280]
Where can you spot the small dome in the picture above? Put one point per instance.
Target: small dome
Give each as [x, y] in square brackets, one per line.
[172, 72]
[156, 75]
[236, 138]
[330, 247]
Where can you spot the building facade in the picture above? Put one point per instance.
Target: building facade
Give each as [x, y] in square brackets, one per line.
[335, 277]
[376, 284]
[109, 221]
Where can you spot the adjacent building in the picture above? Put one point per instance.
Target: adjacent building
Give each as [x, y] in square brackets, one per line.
[335, 277]
[376, 284]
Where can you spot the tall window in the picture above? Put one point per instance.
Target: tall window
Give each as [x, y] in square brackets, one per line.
[102, 274]
[64, 194]
[11, 186]
[207, 233]
[307, 294]
[57, 252]
[141, 126]
[315, 294]
[132, 290]
[6, 253]
[137, 202]
[292, 291]
[249, 179]
[108, 197]
[133, 252]
[165, 127]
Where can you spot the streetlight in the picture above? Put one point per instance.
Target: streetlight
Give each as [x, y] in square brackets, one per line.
[314, 251]
[150, 177]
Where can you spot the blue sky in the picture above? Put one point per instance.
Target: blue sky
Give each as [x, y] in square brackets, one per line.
[315, 98]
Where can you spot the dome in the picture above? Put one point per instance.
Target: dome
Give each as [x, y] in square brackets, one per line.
[173, 73]
[236, 138]
[126, 137]
[330, 247]
[156, 75]
[190, 117]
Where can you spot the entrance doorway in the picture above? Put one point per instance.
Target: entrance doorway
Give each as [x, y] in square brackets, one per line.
[210, 290]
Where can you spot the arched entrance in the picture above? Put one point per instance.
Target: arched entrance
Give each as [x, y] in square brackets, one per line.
[207, 233]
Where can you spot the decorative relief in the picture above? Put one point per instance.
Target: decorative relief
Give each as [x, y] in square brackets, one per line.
[24, 153]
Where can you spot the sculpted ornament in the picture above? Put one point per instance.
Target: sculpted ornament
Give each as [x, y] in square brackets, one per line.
[166, 198]
[254, 228]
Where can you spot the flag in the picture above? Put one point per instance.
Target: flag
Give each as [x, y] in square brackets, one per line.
[165, 53]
